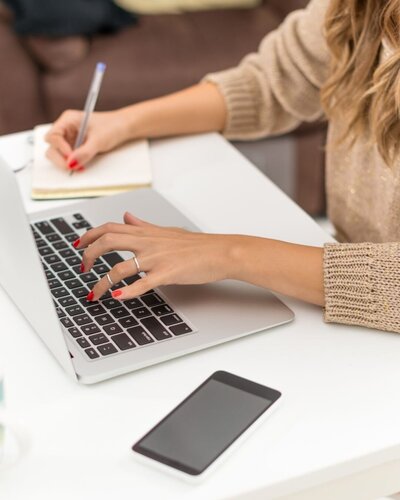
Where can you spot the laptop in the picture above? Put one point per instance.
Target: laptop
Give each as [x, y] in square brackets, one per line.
[94, 341]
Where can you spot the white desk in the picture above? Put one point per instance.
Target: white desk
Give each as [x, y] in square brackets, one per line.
[336, 435]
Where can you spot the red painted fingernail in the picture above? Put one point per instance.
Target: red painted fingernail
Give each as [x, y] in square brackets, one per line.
[116, 293]
[90, 296]
[73, 163]
[82, 267]
[76, 242]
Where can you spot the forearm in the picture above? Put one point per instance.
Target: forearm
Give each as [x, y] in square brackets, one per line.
[194, 110]
[294, 270]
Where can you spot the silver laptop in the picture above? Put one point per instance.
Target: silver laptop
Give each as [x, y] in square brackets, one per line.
[94, 341]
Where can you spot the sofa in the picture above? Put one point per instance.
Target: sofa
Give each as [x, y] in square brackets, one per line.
[160, 54]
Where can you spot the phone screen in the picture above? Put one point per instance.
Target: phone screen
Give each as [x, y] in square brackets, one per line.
[206, 423]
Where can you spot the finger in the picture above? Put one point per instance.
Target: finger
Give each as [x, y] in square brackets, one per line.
[116, 274]
[140, 287]
[109, 228]
[132, 220]
[58, 142]
[56, 157]
[107, 243]
[85, 153]
[135, 221]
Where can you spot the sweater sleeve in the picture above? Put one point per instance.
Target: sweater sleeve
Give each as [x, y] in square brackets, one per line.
[362, 284]
[274, 90]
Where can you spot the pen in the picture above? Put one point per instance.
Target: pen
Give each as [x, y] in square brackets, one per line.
[90, 103]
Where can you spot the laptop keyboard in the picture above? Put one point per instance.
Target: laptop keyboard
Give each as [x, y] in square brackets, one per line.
[105, 327]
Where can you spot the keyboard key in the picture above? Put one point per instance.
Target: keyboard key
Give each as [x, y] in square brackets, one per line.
[161, 310]
[77, 270]
[60, 312]
[110, 303]
[88, 277]
[78, 216]
[74, 261]
[128, 322]
[75, 283]
[171, 319]
[66, 275]
[112, 258]
[156, 328]
[133, 303]
[59, 292]
[71, 237]
[44, 227]
[61, 225]
[41, 243]
[85, 303]
[104, 319]
[67, 301]
[131, 279]
[74, 310]
[80, 292]
[119, 312]
[35, 233]
[141, 312]
[95, 310]
[49, 275]
[98, 339]
[92, 353]
[60, 245]
[140, 335]
[66, 322]
[101, 269]
[123, 341]
[152, 300]
[74, 331]
[68, 252]
[106, 349]
[45, 250]
[54, 283]
[180, 329]
[81, 225]
[58, 266]
[112, 329]
[53, 237]
[83, 342]
[51, 259]
[90, 328]
[83, 319]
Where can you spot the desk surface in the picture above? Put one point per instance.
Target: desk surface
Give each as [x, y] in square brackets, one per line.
[340, 411]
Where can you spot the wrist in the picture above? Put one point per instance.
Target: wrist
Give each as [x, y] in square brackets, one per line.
[136, 121]
[236, 256]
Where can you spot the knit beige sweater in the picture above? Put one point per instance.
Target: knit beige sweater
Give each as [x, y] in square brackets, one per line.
[272, 92]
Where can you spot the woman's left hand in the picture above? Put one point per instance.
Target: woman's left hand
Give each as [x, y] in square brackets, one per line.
[167, 256]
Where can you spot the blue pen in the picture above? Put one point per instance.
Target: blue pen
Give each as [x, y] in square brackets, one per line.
[90, 103]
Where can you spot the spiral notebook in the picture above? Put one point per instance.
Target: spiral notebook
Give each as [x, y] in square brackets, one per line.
[123, 169]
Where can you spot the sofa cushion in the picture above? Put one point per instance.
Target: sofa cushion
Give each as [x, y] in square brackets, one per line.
[57, 54]
[162, 54]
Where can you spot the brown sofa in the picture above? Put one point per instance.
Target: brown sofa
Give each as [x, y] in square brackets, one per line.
[163, 53]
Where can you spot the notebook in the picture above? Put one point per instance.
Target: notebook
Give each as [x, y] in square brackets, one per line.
[122, 169]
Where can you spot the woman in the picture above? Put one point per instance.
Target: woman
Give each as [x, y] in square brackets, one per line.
[338, 57]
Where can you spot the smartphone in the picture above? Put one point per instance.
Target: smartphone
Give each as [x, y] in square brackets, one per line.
[193, 438]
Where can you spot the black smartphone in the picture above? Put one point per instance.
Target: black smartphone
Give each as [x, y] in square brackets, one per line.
[197, 434]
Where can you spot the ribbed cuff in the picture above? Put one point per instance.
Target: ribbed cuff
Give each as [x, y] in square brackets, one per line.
[349, 292]
[242, 98]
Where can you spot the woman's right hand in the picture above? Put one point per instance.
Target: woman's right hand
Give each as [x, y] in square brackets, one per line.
[106, 130]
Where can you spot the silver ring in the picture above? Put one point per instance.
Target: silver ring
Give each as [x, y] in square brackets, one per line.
[137, 263]
[110, 280]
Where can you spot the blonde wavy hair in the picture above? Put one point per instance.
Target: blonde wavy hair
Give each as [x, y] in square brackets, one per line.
[361, 92]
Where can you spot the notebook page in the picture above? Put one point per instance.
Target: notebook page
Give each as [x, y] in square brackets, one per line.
[120, 170]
